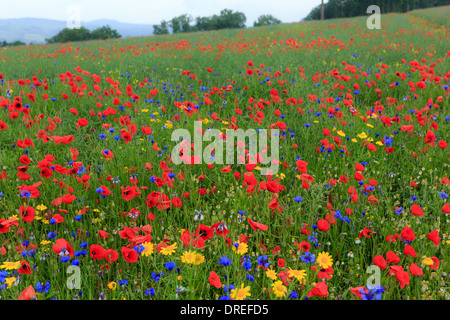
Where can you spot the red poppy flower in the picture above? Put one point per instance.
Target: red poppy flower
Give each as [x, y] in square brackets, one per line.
[436, 263]
[27, 213]
[403, 278]
[176, 202]
[108, 154]
[96, 251]
[129, 255]
[24, 268]
[320, 290]
[284, 277]
[415, 270]
[359, 167]
[305, 246]
[391, 257]
[408, 234]
[126, 136]
[204, 232]
[111, 255]
[409, 251]
[103, 234]
[128, 193]
[28, 293]
[214, 280]
[366, 233]
[380, 262]
[323, 225]
[416, 210]
[82, 122]
[63, 247]
[356, 291]
[257, 226]
[220, 229]
[324, 273]
[434, 237]
[6, 224]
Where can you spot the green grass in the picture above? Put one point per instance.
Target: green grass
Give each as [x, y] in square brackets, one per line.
[317, 48]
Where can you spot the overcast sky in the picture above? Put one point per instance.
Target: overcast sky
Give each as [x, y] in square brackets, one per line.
[151, 11]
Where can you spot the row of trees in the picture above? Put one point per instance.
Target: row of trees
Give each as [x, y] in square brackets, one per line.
[352, 8]
[83, 34]
[11, 44]
[226, 20]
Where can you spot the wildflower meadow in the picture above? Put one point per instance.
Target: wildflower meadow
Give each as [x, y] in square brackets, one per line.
[123, 175]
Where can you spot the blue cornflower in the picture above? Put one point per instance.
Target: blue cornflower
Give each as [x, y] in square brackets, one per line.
[313, 237]
[224, 261]
[75, 262]
[261, 260]
[247, 265]
[150, 292]
[308, 257]
[170, 265]
[139, 248]
[123, 282]
[388, 141]
[373, 293]
[443, 195]
[298, 199]
[250, 277]
[156, 276]
[39, 287]
[293, 295]
[25, 194]
[52, 235]
[228, 288]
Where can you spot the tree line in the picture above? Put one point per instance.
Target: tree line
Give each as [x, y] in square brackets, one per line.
[351, 8]
[11, 44]
[227, 19]
[83, 34]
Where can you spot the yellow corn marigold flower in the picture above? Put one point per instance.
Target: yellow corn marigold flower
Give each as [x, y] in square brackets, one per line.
[189, 257]
[324, 260]
[8, 265]
[297, 274]
[240, 247]
[169, 249]
[279, 289]
[112, 285]
[148, 249]
[240, 293]
[271, 274]
[10, 281]
[199, 258]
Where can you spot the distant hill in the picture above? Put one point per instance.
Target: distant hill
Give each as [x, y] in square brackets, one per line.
[35, 30]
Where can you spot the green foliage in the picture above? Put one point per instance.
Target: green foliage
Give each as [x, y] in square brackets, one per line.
[352, 8]
[12, 44]
[83, 34]
[266, 20]
[181, 24]
[105, 32]
[163, 28]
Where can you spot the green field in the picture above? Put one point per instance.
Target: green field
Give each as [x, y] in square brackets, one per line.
[88, 188]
